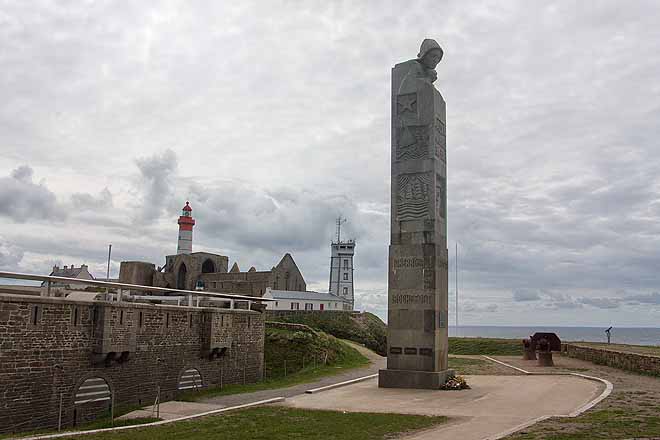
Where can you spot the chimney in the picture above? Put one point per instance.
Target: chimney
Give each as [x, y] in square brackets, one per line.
[65, 268]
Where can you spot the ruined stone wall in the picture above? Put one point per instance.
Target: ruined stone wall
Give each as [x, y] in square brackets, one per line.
[244, 283]
[50, 346]
[638, 363]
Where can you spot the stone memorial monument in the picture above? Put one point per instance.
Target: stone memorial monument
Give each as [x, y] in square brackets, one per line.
[418, 280]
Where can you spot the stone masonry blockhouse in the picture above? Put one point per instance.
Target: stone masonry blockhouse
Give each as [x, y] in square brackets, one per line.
[84, 352]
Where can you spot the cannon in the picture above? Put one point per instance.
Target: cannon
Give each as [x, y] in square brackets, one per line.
[529, 350]
[545, 344]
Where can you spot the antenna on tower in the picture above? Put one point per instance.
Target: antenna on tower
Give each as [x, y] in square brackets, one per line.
[340, 221]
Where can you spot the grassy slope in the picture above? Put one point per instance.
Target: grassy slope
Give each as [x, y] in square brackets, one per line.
[293, 346]
[364, 328]
[279, 423]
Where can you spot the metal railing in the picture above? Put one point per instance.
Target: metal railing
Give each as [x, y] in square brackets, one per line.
[191, 297]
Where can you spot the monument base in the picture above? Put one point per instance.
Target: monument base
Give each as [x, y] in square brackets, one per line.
[428, 380]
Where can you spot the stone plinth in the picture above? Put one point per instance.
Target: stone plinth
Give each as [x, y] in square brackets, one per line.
[418, 283]
[545, 359]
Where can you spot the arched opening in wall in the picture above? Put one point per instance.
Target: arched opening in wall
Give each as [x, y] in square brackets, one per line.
[91, 392]
[181, 277]
[208, 267]
[190, 379]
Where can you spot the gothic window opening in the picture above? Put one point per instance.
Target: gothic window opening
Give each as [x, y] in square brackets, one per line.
[208, 266]
[181, 277]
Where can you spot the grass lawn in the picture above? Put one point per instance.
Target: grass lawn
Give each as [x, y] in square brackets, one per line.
[281, 423]
[485, 346]
[638, 349]
[349, 358]
[309, 374]
[97, 424]
[600, 424]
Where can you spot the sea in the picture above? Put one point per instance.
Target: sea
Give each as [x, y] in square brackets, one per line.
[620, 335]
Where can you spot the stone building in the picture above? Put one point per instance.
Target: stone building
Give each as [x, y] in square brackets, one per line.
[82, 355]
[189, 270]
[60, 288]
[206, 271]
[341, 270]
[307, 301]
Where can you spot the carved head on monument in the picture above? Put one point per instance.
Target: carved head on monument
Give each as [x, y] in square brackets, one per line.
[430, 54]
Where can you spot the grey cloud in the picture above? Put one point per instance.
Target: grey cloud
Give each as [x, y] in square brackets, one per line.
[554, 178]
[470, 307]
[23, 174]
[92, 202]
[522, 295]
[157, 174]
[10, 256]
[649, 298]
[602, 303]
[23, 200]
[374, 301]
[565, 304]
[277, 220]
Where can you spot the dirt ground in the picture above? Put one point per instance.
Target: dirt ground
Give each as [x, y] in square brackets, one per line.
[631, 411]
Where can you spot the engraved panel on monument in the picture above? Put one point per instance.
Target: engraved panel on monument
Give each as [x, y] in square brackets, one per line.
[441, 196]
[413, 195]
[412, 142]
[412, 272]
[412, 299]
[440, 142]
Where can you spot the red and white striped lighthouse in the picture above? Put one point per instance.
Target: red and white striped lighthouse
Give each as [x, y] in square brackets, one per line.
[186, 223]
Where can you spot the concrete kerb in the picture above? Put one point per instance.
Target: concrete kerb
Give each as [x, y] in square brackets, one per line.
[160, 422]
[606, 392]
[340, 384]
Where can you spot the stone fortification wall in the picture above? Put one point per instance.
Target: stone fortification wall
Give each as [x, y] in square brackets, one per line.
[638, 363]
[53, 349]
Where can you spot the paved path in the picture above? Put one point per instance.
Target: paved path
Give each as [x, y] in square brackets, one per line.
[173, 409]
[493, 405]
[377, 362]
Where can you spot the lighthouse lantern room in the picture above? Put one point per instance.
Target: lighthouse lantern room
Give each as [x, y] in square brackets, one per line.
[186, 223]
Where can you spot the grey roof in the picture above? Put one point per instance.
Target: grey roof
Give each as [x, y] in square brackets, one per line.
[294, 294]
[69, 272]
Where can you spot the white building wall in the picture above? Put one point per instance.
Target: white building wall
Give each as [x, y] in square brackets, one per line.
[184, 245]
[303, 304]
[341, 271]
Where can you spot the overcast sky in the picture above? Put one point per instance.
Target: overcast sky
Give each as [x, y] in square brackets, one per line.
[272, 118]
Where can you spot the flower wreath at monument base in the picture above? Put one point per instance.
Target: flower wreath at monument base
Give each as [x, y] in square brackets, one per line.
[455, 383]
